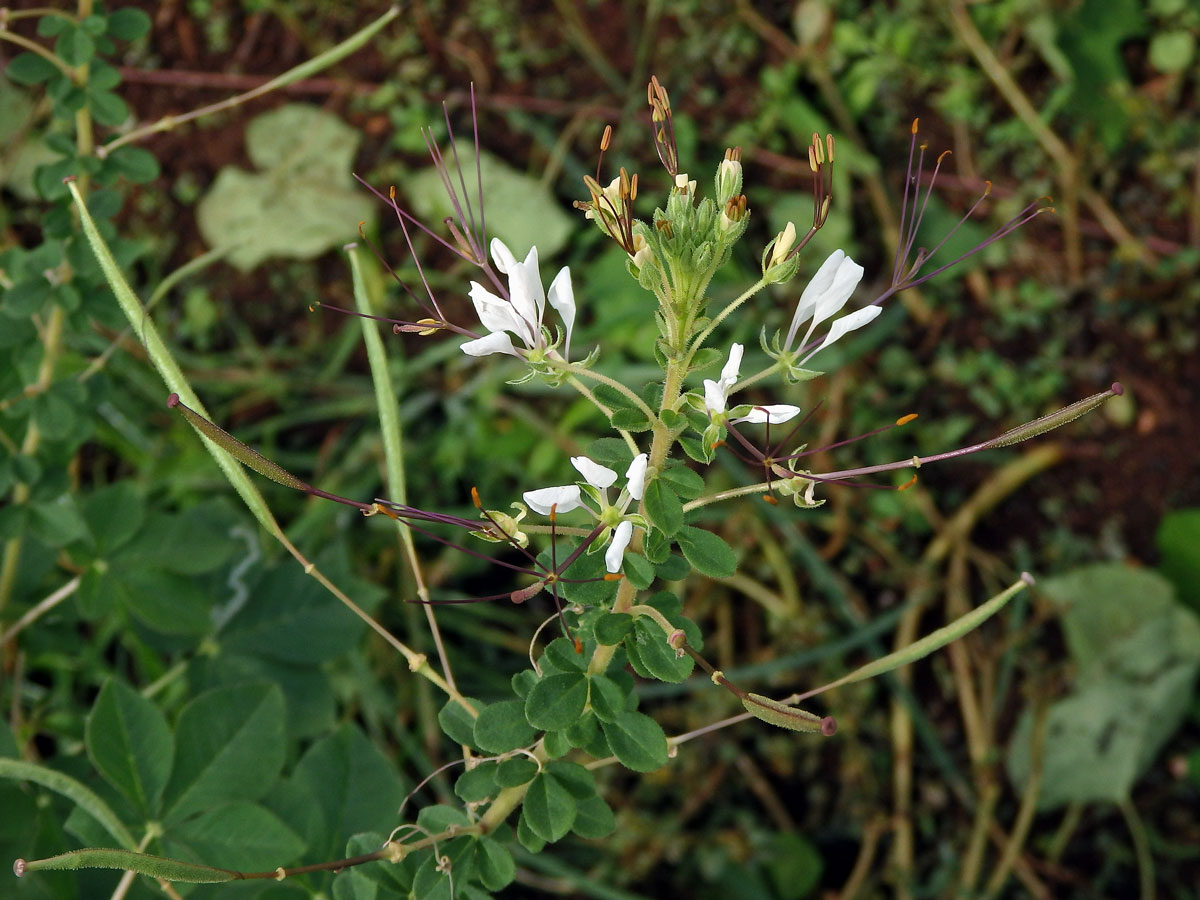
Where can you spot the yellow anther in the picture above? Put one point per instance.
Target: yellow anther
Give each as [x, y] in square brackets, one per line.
[908, 484]
[904, 420]
[606, 138]
[475, 498]
[915, 124]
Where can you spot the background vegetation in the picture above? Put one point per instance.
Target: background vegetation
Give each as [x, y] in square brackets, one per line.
[129, 561]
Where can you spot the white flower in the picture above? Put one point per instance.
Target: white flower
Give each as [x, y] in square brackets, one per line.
[716, 393]
[824, 297]
[615, 554]
[521, 314]
[563, 499]
[772, 415]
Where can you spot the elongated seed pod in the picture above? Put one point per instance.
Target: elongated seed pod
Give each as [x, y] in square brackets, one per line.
[248, 456]
[1054, 420]
[790, 717]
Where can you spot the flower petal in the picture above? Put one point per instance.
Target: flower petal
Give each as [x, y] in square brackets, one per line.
[496, 313]
[496, 342]
[615, 553]
[636, 476]
[774, 415]
[729, 374]
[562, 298]
[505, 262]
[564, 497]
[595, 474]
[817, 286]
[845, 325]
[714, 396]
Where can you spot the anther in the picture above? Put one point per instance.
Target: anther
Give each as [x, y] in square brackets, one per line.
[915, 124]
[908, 484]
[606, 138]
[770, 499]
[475, 498]
[613, 576]
[904, 420]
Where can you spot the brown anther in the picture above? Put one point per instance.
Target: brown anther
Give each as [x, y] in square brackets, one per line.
[475, 498]
[829, 147]
[362, 234]
[391, 192]
[908, 484]
[606, 138]
[904, 420]
[733, 154]
[768, 498]
[633, 187]
[819, 147]
[380, 508]
[664, 225]
[812, 159]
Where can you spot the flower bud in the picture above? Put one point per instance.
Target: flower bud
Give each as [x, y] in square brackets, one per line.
[729, 176]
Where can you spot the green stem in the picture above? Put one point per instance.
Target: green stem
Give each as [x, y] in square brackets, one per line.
[605, 411]
[581, 372]
[722, 315]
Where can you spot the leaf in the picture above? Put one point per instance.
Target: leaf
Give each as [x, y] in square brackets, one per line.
[606, 698]
[1177, 539]
[549, 808]
[683, 481]
[129, 860]
[241, 836]
[638, 569]
[495, 864]
[663, 507]
[301, 204]
[1138, 653]
[611, 628]
[477, 784]
[515, 772]
[130, 744]
[648, 647]
[522, 211]
[229, 745]
[457, 723]
[30, 68]
[637, 741]
[794, 865]
[630, 420]
[352, 784]
[502, 727]
[556, 702]
[708, 554]
[594, 819]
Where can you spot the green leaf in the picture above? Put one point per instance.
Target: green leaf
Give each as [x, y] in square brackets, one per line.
[663, 507]
[351, 783]
[549, 808]
[155, 866]
[561, 655]
[128, 23]
[502, 727]
[594, 819]
[515, 772]
[574, 777]
[135, 163]
[648, 645]
[794, 865]
[495, 864]
[708, 554]
[637, 741]
[1178, 537]
[630, 420]
[107, 107]
[556, 702]
[525, 834]
[611, 452]
[229, 746]
[683, 481]
[75, 46]
[457, 723]
[130, 744]
[302, 204]
[675, 568]
[31, 68]
[240, 836]
[607, 698]
[611, 628]
[168, 603]
[477, 784]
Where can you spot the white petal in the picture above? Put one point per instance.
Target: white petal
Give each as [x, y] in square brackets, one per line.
[595, 474]
[503, 257]
[564, 497]
[845, 280]
[562, 298]
[812, 293]
[729, 374]
[714, 396]
[775, 415]
[846, 324]
[496, 342]
[496, 313]
[636, 476]
[615, 553]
